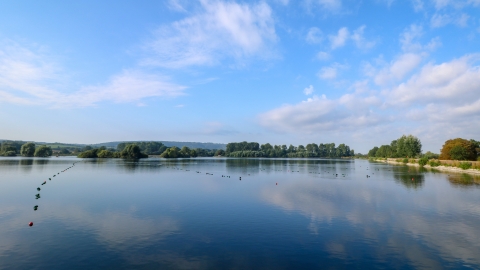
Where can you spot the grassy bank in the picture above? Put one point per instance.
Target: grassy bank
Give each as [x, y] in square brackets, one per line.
[470, 167]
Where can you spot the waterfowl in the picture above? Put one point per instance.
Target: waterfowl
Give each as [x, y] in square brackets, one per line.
[35, 208]
[38, 189]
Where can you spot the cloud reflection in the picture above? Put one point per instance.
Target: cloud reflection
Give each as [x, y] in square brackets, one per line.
[390, 223]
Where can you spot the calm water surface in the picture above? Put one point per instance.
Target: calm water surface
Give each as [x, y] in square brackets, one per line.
[282, 214]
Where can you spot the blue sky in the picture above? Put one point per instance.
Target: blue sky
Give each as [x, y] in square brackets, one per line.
[285, 72]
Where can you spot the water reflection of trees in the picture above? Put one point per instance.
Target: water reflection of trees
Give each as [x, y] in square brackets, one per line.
[41, 161]
[254, 165]
[26, 164]
[410, 177]
[464, 180]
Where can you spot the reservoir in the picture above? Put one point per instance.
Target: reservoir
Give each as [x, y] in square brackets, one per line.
[218, 213]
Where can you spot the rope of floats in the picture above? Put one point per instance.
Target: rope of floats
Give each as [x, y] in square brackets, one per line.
[37, 196]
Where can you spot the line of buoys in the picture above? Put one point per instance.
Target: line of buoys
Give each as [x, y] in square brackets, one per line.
[37, 196]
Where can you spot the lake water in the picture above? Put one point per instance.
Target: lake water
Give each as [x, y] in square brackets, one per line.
[282, 214]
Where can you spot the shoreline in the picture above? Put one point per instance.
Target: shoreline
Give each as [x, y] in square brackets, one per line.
[439, 168]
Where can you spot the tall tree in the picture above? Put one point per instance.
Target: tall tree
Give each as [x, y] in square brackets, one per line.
[43, 151]
[409, 146]
[28, 150]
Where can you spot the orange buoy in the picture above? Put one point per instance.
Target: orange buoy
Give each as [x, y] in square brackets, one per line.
[30, 224]
[412, 178]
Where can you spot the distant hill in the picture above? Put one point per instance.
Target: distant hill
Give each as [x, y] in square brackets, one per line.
[202, 145]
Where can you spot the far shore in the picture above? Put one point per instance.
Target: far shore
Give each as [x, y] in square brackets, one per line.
[439, 168]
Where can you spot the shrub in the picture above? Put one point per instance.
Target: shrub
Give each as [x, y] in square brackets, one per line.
[423, 161]
[465, 165]
[88, 154]
[10, 154]
[405, 160]
[105, 154]
[434, 163]
[399, 160]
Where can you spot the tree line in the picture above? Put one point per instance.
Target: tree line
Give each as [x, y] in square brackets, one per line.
[405, 146]
[14, 148]
[143, 150]
[312, 150]
[411, 147]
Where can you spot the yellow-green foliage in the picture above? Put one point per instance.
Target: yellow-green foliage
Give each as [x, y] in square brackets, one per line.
[434, 163]
[459, 149]
[465, 165]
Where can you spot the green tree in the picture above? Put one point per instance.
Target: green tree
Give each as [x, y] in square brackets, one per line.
[28, 150]
[43, 151]
[459, 153]
[105, 154]
[220, 152]
[132, 151]
[88, 154]
[408, 146]
[373, 152]
[185, 152]
[64, 151]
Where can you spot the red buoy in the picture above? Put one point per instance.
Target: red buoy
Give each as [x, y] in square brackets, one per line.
[30, 224]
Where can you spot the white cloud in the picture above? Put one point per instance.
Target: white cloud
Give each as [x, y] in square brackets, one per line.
[129, 86]
[340, 39]
[397, 69]
[314, 36]
[409, 37]
[323, 56]
[456, 83]
[359, 40]
[343, 35]
[308, 91]
[328, 73]
[222, 30]
[439, 20]
[319, 114]
[30, 77]
[441, 100]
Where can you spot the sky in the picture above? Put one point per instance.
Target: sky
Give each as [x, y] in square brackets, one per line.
[361, 73]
